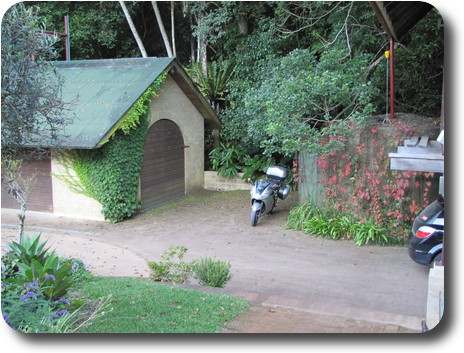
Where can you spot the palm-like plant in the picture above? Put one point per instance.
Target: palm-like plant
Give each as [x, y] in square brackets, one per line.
[29, 248]
[213, 84]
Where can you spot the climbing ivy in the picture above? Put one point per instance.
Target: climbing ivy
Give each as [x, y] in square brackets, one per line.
[111, 174]
[140, 108]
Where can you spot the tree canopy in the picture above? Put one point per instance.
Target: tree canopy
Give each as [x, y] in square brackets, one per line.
[296, 65]
[31, 89]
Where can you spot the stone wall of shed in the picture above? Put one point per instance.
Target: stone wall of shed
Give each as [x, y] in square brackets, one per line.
[68, 203]
[174, 105]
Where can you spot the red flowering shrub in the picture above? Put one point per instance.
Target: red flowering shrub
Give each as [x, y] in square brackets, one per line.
[365, 188]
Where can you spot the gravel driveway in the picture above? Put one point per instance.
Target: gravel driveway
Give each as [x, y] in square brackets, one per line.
[270, 265]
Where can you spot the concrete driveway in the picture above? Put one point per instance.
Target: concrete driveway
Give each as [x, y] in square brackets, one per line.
[272, 267]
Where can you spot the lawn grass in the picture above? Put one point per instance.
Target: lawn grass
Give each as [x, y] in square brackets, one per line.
[141, 306]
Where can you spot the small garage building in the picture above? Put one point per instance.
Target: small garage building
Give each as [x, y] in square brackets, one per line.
[101, 92]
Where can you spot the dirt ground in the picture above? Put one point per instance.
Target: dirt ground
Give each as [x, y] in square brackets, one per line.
[271, 265]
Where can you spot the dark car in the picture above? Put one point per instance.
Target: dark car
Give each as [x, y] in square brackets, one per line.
[426, 239]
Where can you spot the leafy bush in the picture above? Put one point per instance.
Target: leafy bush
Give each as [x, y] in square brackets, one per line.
[299, 215]
[35, 283]
[357, 180]
[227, 159]
[27, 310]
[214, 85]
[172, 267]
[212, 272]
[336, 225]
[28, 249]
[28, 262]
[256, 165]
[302, 94]
[54, 277]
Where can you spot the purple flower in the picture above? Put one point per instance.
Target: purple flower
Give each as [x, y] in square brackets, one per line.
[49, 277]
[58, 314]
[8, 321]
[62, 300]
[28, 295]
[31, 284]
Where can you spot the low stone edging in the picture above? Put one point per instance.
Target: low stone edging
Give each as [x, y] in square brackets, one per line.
[213, 181]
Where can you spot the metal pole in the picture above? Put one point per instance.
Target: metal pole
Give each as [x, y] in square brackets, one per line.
[387, 55]
[392, 78]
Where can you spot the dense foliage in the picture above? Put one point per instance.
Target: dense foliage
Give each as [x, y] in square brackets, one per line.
[254, 34]
[283, 76]
[111, 173]
[31, 90]
[35, 285]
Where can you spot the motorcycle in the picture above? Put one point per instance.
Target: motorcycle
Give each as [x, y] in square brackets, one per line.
[265, 192]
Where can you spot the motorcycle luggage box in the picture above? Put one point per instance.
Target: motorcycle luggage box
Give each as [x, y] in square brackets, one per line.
[283, 191]
[276, 173]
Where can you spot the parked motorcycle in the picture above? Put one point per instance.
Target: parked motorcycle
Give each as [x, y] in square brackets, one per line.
[264, 193]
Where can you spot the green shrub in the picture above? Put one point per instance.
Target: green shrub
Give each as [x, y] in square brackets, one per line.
[330, 224]
[172, 267]
[54, 277]
[28, 249]
[212, 272]
[299, 215]
[226, 159]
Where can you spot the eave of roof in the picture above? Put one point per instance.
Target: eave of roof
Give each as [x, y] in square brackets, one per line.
[102, 91]
[398, 17]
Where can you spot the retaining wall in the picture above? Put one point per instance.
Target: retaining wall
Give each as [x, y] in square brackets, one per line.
[213, 181]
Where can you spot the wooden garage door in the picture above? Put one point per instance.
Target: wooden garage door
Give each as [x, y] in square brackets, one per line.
[163, 174]
[41, 196]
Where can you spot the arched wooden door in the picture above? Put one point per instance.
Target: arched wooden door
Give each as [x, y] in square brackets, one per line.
[163, 174]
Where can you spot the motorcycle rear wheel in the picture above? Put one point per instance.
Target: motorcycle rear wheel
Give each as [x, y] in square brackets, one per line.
[254, 217]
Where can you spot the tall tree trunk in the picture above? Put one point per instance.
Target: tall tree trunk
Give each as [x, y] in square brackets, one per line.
[133, 29]
[202, 48]
[173, 36]
[243, 26]
[161, 27]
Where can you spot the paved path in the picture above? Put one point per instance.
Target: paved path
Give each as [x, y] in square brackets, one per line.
[295, 283]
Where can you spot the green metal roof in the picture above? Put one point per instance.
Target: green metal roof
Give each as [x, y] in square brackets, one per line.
[101, 92]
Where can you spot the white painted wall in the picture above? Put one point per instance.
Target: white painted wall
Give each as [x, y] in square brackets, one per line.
[68, 203]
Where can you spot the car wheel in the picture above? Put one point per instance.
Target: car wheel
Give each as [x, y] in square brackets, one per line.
[436, 258]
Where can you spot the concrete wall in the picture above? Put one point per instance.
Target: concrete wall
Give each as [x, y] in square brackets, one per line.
[213, 181]
[68, 203]
[173, 104]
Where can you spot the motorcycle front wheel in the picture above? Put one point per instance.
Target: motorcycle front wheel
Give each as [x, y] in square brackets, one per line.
[254, 217]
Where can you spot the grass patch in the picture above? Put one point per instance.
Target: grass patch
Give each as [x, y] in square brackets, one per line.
[140, 306]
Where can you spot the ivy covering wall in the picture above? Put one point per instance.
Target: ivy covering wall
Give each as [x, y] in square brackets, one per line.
[111, 174]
